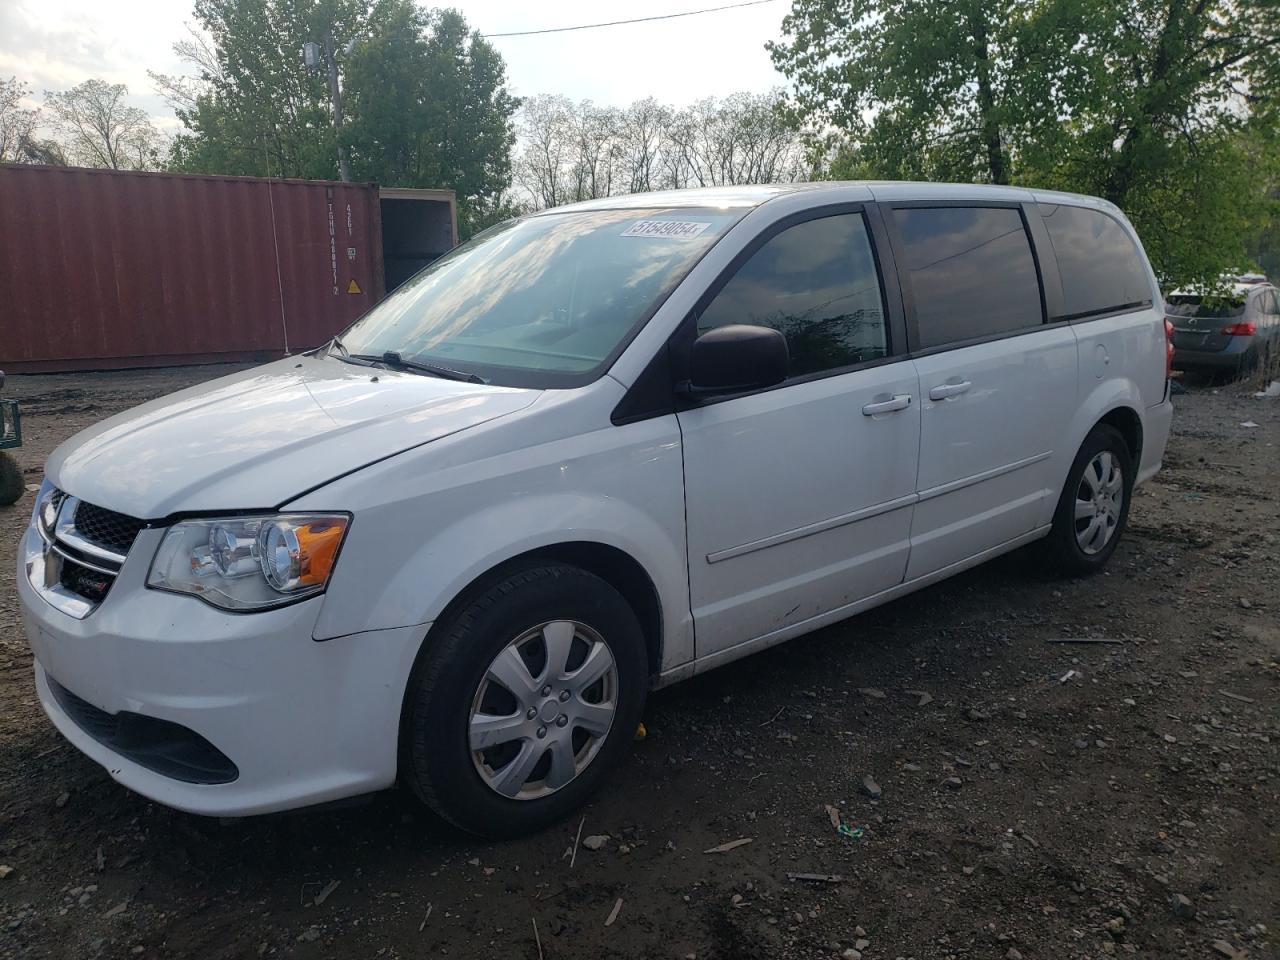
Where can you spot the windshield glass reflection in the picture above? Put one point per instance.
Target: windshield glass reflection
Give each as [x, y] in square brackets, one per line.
[543, 301]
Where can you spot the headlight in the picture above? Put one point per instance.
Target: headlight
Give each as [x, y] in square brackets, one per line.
[250, 563]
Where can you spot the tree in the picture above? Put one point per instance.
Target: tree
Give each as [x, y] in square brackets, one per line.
[425, 98]
[743, 138]
[1167, 108]
[644, 124]
[429, 107]
[596, 133]
[17, 123]
[581, 151]
[252, 108]
[99, 129]
[546, 125]
[923, 86]
[1173, 117]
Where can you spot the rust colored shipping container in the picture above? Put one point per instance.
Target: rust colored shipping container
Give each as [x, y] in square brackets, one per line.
[106, 269]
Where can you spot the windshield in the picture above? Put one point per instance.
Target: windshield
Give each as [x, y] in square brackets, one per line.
[1204, 308]
[541, 302]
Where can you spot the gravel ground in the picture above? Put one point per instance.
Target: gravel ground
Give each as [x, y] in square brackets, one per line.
[1016, 797]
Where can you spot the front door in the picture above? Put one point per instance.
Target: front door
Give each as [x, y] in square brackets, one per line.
[798, 498]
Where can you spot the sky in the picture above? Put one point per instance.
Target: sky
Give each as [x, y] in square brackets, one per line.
[55, 44]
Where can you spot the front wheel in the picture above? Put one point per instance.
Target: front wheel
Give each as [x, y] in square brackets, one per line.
[524, 700]
[1094, 507]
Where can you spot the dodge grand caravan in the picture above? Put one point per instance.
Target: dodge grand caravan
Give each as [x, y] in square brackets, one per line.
[589, 453]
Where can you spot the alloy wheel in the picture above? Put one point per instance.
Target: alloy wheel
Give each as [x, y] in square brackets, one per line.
[1099, 500]
[543, 709]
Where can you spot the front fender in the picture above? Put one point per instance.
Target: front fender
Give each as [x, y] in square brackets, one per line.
[429, 523]
[466, 549]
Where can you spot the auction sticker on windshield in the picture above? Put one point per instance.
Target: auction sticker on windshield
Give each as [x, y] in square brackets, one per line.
[676, 229]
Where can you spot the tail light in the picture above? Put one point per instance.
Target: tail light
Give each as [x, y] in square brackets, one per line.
[1168, 349]
[1246, 329]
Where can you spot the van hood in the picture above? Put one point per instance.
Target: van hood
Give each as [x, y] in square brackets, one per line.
[257, 439]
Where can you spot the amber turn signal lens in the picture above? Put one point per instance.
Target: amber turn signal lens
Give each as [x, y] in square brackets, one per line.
[318, 544]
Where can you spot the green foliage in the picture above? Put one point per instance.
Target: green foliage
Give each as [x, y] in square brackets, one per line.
[1264, 244]
[429, 107]
[1167, 108]
[256, 111]
[425, 98]
[922, 86]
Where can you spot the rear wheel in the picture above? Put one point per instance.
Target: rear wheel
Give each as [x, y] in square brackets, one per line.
[525, 699]
[1093, 509]
[11, 485]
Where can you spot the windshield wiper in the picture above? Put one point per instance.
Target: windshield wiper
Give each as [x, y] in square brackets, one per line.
[393, 359]
[346, 356]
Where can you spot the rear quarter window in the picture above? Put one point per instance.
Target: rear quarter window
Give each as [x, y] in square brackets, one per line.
[1100, 266]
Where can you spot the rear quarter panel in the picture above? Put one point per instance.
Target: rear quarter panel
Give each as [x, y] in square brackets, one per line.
[1121, 357]
[1117, 355]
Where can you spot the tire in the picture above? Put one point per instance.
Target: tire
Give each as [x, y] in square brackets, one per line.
[11, 484]
[455, 679]
[1063, 549]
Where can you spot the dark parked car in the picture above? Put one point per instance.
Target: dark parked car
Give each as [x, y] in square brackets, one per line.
[1232, 333]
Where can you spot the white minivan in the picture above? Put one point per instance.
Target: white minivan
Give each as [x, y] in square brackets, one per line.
[589, 453]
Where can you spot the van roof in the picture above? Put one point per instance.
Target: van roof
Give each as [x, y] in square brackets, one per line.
[755, 195]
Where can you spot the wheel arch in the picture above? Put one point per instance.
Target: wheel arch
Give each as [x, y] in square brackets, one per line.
[1116, 403]
[1128, 423]
[613, 565]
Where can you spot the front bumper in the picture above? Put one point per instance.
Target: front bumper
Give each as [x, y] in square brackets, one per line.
[302, 721]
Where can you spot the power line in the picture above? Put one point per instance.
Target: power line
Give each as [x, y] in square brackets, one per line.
[619, 23]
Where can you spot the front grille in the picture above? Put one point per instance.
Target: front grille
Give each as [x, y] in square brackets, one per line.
[161, 746]
[85, 582]
[89, 543]
[106, 528]
[57, 498]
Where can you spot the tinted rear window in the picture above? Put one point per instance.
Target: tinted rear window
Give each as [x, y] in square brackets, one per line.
[1100, 266]
[971, 271]
[1208, 308]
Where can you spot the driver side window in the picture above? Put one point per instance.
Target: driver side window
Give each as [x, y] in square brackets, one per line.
[816, 283]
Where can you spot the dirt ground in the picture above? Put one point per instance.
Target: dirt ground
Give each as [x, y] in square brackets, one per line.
[1036, 799]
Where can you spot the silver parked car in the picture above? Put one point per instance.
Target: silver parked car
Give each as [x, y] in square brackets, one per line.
[1229, 333]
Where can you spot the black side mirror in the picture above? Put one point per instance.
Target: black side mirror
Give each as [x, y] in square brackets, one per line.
[738, 357]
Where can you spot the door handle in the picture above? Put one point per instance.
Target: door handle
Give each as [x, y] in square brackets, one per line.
[899, 402]
[944, 390]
